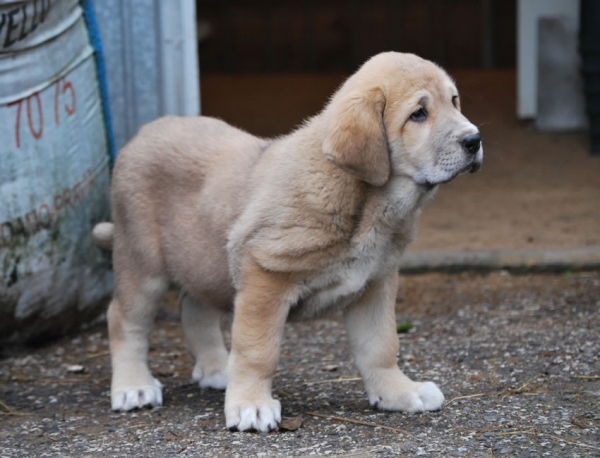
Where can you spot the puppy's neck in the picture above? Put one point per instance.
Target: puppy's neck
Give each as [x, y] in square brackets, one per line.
[405, 195]
[392, 207]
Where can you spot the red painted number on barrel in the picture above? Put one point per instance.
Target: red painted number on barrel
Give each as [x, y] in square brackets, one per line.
[37, 133]
[66, 89]
[64, 94]
[18, 103]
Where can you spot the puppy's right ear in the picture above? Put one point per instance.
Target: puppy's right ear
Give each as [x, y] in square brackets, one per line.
[355, 140]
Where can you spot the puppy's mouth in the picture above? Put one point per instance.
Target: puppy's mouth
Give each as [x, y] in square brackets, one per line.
[429, 185]
[471, 168]
[475, 166]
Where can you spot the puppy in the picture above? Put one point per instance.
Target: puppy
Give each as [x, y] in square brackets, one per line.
[288, 228]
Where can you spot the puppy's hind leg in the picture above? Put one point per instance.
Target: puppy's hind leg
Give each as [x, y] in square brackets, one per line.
[201, 324]
[130, 318]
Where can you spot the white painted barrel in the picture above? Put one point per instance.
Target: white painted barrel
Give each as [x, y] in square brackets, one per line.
[54, 171]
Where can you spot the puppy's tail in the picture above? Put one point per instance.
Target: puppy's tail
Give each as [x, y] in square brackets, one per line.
[103, 235]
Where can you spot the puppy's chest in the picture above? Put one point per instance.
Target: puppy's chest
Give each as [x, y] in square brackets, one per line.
[345, 280]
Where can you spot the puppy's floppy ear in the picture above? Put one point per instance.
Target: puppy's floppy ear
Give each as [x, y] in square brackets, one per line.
[355, 139]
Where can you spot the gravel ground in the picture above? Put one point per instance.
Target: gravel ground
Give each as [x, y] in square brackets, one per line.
[518, 358]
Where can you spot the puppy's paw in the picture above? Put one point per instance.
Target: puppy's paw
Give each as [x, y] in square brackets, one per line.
[136, 397]
[263, 417]
[216, 380]
[418, 398]
[431, 396]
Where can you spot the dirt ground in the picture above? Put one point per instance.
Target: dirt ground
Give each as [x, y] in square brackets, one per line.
[535, 190]
[516, 356]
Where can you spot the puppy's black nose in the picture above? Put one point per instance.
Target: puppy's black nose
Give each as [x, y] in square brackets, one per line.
[471, 143]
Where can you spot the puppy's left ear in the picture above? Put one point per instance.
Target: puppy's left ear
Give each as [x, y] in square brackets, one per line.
[356, 140]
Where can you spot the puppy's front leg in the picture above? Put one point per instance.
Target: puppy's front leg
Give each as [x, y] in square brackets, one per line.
[371, 329]
[261, 309]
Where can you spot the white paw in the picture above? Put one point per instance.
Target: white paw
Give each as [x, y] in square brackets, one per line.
[431, 396]
[263, 418]
[421, 397]
[136, 397]
[217, 380]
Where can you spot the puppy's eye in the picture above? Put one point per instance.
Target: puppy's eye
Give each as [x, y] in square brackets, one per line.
[419, 116]
[455, 101]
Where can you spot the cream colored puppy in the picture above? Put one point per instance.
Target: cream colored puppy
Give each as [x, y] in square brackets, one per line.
[289, 228]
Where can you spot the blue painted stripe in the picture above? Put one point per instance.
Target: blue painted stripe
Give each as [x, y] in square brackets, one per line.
[94, 32]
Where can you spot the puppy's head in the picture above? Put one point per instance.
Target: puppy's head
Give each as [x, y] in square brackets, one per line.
[399, 115]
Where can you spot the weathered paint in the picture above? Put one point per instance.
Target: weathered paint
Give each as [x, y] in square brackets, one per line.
[54, 174]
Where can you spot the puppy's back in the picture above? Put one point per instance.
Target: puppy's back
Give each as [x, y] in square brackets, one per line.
[180, 183]
[175, 147]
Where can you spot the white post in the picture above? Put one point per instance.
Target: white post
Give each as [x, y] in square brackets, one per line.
[179, 72]
[528, 13]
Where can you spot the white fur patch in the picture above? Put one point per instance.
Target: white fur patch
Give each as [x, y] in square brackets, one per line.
[137, 397]
[348, 280]
[431, 396]
[217, 380]
[263, 418]
[423, 396]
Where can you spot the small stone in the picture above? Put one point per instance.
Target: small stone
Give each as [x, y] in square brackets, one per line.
[330, 367]
[76, 369]
[290, 424]
[5, 376]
